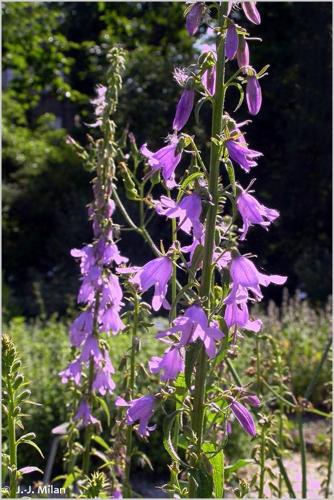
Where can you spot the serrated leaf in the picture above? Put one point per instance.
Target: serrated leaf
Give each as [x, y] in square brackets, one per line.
[217, 462]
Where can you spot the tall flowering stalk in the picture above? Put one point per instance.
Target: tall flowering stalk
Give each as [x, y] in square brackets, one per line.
[207, 314]
[100, 295]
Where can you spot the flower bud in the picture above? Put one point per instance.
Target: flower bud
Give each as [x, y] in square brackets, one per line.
[193, 19]
[253, 95]
[183, 109]
[231, 41]
[251, 12]
[243, 53]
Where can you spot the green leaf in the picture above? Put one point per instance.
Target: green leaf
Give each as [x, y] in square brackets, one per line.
[231, 175]
[198, 108]
[101, 442]
[167, 439]
[242, 462]
[188, 180]
[105, 408]
[204, 482]
[217, 462]
[241, 92]
[69, 480]
[33, 445]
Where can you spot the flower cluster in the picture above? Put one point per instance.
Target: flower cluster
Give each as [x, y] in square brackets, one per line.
[100, 296]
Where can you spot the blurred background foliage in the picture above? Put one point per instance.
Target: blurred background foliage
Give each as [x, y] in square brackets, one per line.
[54, 55]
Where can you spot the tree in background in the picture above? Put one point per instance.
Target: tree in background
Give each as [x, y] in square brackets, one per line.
[54, 54]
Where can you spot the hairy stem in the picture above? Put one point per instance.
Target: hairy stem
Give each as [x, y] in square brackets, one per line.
[262, 463]
[217, 115]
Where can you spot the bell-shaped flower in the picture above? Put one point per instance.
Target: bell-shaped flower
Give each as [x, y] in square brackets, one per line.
[241, 154]
[243, 53]
[231, 44]
[187, 211]
[244, 417]
[244, 274]
[157, 273]
[209, 76]
[84, 414]
[108, 252]
[103, 382]
[170, 364]
[252, 400]
[194, 325]
[194, 18]
[165, 159]
[91, 350]
[236, 312]
[183, 109]
[141, 410]
[72, 372]
[251, 12]
[253, 212]
[86, 256]
[253, 95]
[81, 328]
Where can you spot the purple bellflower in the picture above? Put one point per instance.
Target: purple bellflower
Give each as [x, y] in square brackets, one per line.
[188, 211]
[81, 327]
[231, 41]
[253, 95]
[157, 273]
[244, 417]
[252, 400]
[72, 372]
[194, 17]
[249, 9]
[171, 364]
[103, 382]
[141, 410]
[183, 109]
[165, 159]
[209, 76]
[194, 325]
[252, 212]
[244, 274]
[241, 154]
[237, 314]
[243, 53]
[85, 415]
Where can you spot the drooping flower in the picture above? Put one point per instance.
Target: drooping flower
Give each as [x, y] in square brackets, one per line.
[171, 364]
[253, 95]
[194, 325]
[81, 327]
[85, 415]
[187, 211]
[99, 104]
[243, 53]
[165, 159]
[183, 109]
[103, 382]
[231, 46]
[252, 400]
[251, 12]
[209, 76]
[241, 154]
[253, 212]
[244, 417]
[237, 314]
[72, 372]
[90, 350]
[157, 273]
[140, 409]
[244, 274]
[194, 17]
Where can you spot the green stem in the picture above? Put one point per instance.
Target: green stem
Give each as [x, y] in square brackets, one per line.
[285, 476]
[317, 371]
[262, 463]
[127, 486]
[12, 445]
[302, 455]
[206, 279]
[329, 470]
